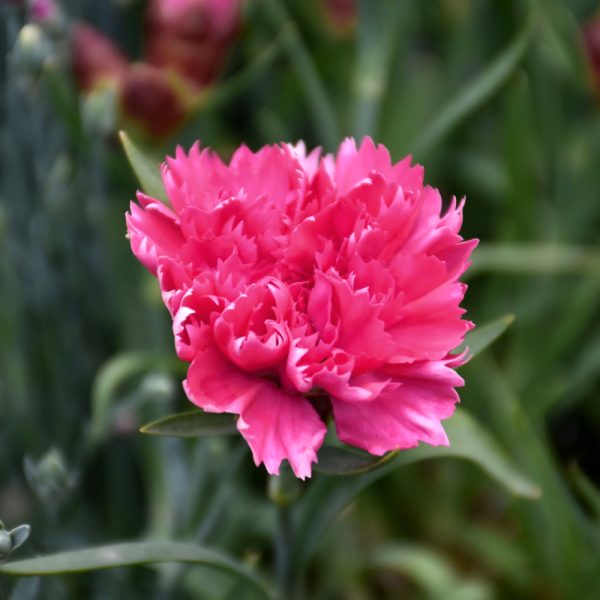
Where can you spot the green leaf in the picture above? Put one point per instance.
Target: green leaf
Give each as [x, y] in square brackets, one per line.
[378, 35]
[131, 554]
[470, 441]
[432, 572]
[27, 588]
[587, 490]
[475, 93]
[146, 167]
[560, 41]
[64, 98]
[484, 335]
[423, 565]
[194, 423]
[328, 496]
[334, 460]
[218, 96]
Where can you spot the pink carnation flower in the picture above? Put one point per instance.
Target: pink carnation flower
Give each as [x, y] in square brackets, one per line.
[303, 286]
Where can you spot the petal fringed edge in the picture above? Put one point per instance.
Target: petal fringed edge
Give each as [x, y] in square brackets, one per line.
[153, 231]
[408, 411]
[276, 425]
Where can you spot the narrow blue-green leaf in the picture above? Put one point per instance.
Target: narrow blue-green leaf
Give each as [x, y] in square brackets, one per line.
[27, 588]
[484, 335]
[146, 168]
[194, 423]
[468, 441]
[423, 565]
[335, 460]
[471, 441]
[132, 554]
[475, 93]
[328, 496]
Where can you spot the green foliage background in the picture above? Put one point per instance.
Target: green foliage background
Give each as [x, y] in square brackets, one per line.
[495, 98]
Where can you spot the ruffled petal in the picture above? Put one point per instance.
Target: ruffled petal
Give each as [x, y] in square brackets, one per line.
[153, 231]
[279, 426]
[216, 385]
[360, 331]
[408, 411]
[251, 331]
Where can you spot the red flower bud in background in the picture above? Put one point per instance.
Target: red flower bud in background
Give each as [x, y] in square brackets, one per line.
[147, 95]
[342, 14]
[191, 37]
[96, 59]
[186, 44]
[591, 41]
[149, 98]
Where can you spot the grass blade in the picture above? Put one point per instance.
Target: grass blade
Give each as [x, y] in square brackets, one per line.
[479, 90]
[132, 554]
[485, 335]
[146, 168]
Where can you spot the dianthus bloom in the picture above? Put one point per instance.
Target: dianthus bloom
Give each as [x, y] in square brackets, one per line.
[304, 286]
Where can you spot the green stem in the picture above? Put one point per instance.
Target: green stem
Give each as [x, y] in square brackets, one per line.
[284, 490]
[316, 96]
[283, 545]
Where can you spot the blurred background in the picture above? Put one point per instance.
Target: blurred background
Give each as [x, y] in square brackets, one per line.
[499, 99]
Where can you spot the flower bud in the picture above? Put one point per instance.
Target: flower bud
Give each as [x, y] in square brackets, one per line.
[341, 14]
[11, 540]
[99, 112]
[157, 387]
[591, 42]
[96, 59]
[191, 37]
[5, 544]
[32, 48]
[149, 98]
[19, 535]
[50, 478]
